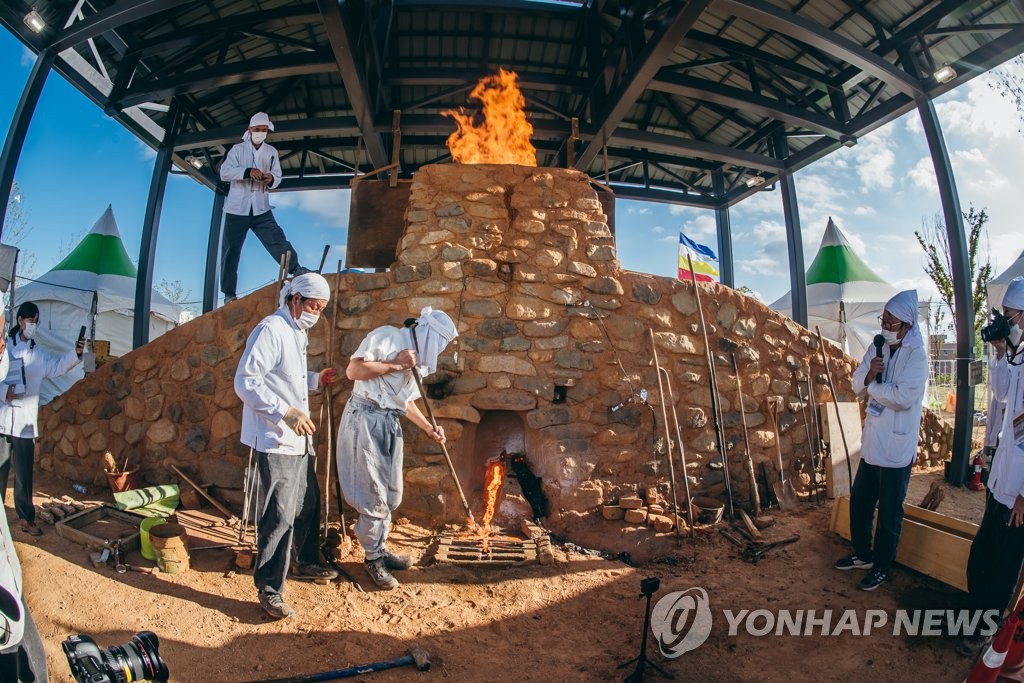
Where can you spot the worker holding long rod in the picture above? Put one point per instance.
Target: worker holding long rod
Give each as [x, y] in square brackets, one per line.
[370, 446]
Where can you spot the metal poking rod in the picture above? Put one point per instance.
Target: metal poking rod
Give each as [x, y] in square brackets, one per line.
[668, 438]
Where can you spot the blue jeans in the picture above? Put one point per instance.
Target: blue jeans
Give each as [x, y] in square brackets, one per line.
[885, 487]
[370, 456]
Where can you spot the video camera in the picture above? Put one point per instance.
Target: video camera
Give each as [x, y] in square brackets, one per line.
[136, 660]
[997, 328]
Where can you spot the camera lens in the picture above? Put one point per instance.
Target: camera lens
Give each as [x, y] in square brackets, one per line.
[137, 660]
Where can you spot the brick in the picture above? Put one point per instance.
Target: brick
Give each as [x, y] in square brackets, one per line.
[630, 502]
[636, 516]
[612, 512]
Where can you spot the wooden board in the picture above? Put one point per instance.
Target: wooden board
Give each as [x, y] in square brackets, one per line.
[837, 478]
[100, 526]
[931, 543]
[376, 223]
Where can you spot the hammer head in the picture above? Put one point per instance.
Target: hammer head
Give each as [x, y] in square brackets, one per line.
[420, 657]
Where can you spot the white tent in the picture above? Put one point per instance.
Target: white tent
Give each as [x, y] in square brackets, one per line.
[96, 276]
[997, 285]
[844, 296]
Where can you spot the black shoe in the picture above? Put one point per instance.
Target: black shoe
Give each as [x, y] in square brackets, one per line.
[275, 606]
[396, 562]
[228, 298]
[852, 562]
[313, 572]
[971, 646]
[873, 580]
[380, 574]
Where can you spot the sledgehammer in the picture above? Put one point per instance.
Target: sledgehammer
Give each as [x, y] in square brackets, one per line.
[417, 656]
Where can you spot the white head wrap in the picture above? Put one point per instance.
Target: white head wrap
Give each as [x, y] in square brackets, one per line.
[1014, 297]
[903, 307]
[258, 119]
[434, 331]
[310, 285]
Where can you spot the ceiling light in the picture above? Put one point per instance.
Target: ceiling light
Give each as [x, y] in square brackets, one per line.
[195, 161]
[755, 181]
[35, 21]
[945, 74]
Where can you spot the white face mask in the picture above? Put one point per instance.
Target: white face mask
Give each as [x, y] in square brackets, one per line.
[307, 320]
[891, 337]
[28, 330]
[258, 137]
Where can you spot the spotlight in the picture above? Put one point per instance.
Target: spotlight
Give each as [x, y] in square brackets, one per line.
[945, 74]
[755, 181]
[34, 21]
[195, 161]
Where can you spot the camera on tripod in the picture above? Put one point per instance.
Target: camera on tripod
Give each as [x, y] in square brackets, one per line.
[997, 328]
[136, 660]
[649, 586]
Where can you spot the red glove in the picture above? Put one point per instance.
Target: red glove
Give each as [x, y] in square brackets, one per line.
[328, 377]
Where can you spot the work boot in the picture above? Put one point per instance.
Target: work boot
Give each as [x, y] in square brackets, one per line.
[971, 646]
[274, 605]
[31, 528]
[853, 562]
[380, 574]
[396, 562]
[313, 572]
[874, 579]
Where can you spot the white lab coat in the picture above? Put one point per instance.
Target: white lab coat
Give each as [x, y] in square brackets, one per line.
[10, 581]
[246, 195]
[18, 416]
[1006, 480]
[890, 439]
[395, 389]
[272, 376]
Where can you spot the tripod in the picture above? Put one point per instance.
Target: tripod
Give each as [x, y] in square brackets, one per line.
[648, 587]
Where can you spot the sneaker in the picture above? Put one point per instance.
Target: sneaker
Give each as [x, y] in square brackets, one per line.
[873, 580]
[313, 572]
[971, 646]
[852, 562]
[396, 562]
[228, 298]
[380, 574]
[274, 605]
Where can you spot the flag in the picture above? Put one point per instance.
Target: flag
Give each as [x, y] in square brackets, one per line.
[702, 258]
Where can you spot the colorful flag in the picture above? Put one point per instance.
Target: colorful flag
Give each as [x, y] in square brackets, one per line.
[701, 257]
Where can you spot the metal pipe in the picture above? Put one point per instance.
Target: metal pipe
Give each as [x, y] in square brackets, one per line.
[755, 497]
[835, 400]
[682, 455]
[668, 439]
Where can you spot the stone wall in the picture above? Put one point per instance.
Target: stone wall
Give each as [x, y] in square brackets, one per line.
[524, 262]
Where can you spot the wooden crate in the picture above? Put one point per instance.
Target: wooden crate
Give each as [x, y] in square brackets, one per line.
[100, 526]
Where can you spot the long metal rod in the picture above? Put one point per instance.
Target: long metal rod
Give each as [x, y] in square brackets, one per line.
[835, 400]
[682, 453]
[807, 432]
[668, 439]
[716, 416]
[329, 399]
[755, 497]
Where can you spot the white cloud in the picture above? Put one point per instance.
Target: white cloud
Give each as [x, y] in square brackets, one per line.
[864, 211]
[922, 176]
[658, 229]
[28, 58]
[328, 207]
[145, 151]
[873, 158]
[703, 229]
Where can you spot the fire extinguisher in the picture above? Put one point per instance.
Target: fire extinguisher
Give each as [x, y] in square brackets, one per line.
[975, 483]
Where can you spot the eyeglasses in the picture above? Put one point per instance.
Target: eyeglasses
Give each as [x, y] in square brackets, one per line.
[890, 324]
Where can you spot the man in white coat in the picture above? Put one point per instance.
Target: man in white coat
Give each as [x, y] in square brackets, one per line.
[253, 168]
[19, 408]
[22, 656]
[894, 385]
[997, 551]
[273, 382]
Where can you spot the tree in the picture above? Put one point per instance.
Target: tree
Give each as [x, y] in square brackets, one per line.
[939, 266]
[176, 293]
[1009, 82]
[17, 228]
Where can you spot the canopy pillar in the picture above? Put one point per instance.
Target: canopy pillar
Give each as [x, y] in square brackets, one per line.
[212, 276]
[725, 258]
[794, 239]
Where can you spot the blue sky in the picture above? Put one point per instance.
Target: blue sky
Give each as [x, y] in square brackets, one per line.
[77, 160]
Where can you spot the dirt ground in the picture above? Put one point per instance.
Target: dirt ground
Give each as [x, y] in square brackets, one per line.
[574, 620]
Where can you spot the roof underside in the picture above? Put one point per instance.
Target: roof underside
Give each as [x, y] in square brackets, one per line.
[679, 102]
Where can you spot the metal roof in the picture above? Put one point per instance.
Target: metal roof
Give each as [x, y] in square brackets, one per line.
[667, 95]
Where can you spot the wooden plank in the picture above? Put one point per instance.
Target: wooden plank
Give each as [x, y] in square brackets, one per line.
[951, 525]
[837, 478]
[751, 528]
[929, 550]
[72, 527]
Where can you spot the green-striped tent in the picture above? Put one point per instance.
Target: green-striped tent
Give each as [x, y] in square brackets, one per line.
[96, 272]
[844, 296]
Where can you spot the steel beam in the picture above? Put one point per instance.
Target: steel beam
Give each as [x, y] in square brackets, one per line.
[664, 41]
[765, 15]
[662, 195]
[963, 303]
[15, 140]
[673, 144]
[119, 14]
[440, 77]
[727, 274]
[794, 237]
[335, 126]
[150, 229]
[212, 275]
[357, 90]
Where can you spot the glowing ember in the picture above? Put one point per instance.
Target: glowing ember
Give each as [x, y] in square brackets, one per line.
[503, 136]
[493, 479]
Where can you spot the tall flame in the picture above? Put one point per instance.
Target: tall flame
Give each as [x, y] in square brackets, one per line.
[493, 479]
[503, 136]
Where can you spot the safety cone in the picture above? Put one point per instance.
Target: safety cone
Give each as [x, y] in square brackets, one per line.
[975, 483]
[1014, 661]
[986, 669]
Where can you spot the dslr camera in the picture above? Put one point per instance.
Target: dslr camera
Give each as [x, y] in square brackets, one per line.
[136, 660]
[997, 327]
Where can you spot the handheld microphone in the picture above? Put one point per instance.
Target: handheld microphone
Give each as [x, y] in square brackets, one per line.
[879, 343]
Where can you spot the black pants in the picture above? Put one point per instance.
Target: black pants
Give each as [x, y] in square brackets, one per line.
[27, 662]
[997, 555]
[265, 227]
[22, 452]
[289, 516]
[886, 487]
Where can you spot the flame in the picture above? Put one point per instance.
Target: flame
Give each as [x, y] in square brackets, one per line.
[503, 136]
[493, 479]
